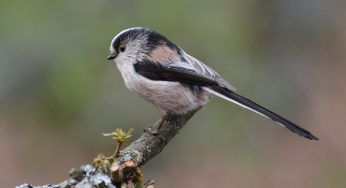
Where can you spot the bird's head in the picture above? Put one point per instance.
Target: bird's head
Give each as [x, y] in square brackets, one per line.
[138, 43]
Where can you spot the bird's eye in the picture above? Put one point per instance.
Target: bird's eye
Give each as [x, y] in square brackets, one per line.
[121, 48]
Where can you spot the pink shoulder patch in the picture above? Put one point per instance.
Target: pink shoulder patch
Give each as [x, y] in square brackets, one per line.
[162, 53]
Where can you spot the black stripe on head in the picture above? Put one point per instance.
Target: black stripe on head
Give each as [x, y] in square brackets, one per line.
[128, 35]
[154, 39]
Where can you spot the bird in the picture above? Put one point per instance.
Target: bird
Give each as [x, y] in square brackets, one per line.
[173, 81]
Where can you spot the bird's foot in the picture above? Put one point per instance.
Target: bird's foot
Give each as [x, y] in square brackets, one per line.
[156, 133]
[156, 129]
[152, 131]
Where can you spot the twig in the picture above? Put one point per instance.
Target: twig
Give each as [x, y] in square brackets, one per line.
[129, 160]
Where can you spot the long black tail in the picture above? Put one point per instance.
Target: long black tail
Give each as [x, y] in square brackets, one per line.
[248, 104]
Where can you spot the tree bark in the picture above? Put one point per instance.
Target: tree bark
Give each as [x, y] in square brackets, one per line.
[126, 165]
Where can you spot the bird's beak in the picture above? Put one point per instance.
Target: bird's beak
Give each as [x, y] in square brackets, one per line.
[112, 55]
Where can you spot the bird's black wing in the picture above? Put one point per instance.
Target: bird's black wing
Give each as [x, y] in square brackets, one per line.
[162, 72]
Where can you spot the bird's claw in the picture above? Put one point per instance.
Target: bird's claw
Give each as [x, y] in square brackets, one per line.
[152, 131]
[156, 133]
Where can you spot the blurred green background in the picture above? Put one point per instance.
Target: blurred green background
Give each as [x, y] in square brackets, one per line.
[58, 94]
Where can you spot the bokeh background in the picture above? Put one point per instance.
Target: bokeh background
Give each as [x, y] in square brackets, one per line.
[58, 94]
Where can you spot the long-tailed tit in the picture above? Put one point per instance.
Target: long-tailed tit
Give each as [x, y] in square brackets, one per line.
[172, 80]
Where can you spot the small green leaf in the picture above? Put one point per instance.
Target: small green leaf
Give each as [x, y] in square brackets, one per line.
[138, 184]
[120, 135]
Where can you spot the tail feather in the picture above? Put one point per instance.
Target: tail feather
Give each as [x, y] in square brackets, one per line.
[250, 105]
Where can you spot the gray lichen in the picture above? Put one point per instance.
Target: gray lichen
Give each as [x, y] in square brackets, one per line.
[85, 177]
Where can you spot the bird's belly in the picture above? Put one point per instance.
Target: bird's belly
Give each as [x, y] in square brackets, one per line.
[171, 97]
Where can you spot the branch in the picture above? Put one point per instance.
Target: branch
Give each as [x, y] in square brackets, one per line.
[125, 167]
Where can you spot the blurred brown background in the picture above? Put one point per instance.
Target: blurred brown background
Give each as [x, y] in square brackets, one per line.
[58, 94]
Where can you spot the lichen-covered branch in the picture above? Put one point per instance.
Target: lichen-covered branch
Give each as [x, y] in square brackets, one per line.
[149, 145]
[125, 167]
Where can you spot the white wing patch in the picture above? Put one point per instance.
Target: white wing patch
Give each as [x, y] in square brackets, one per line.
[182, 65]
[205, 70]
